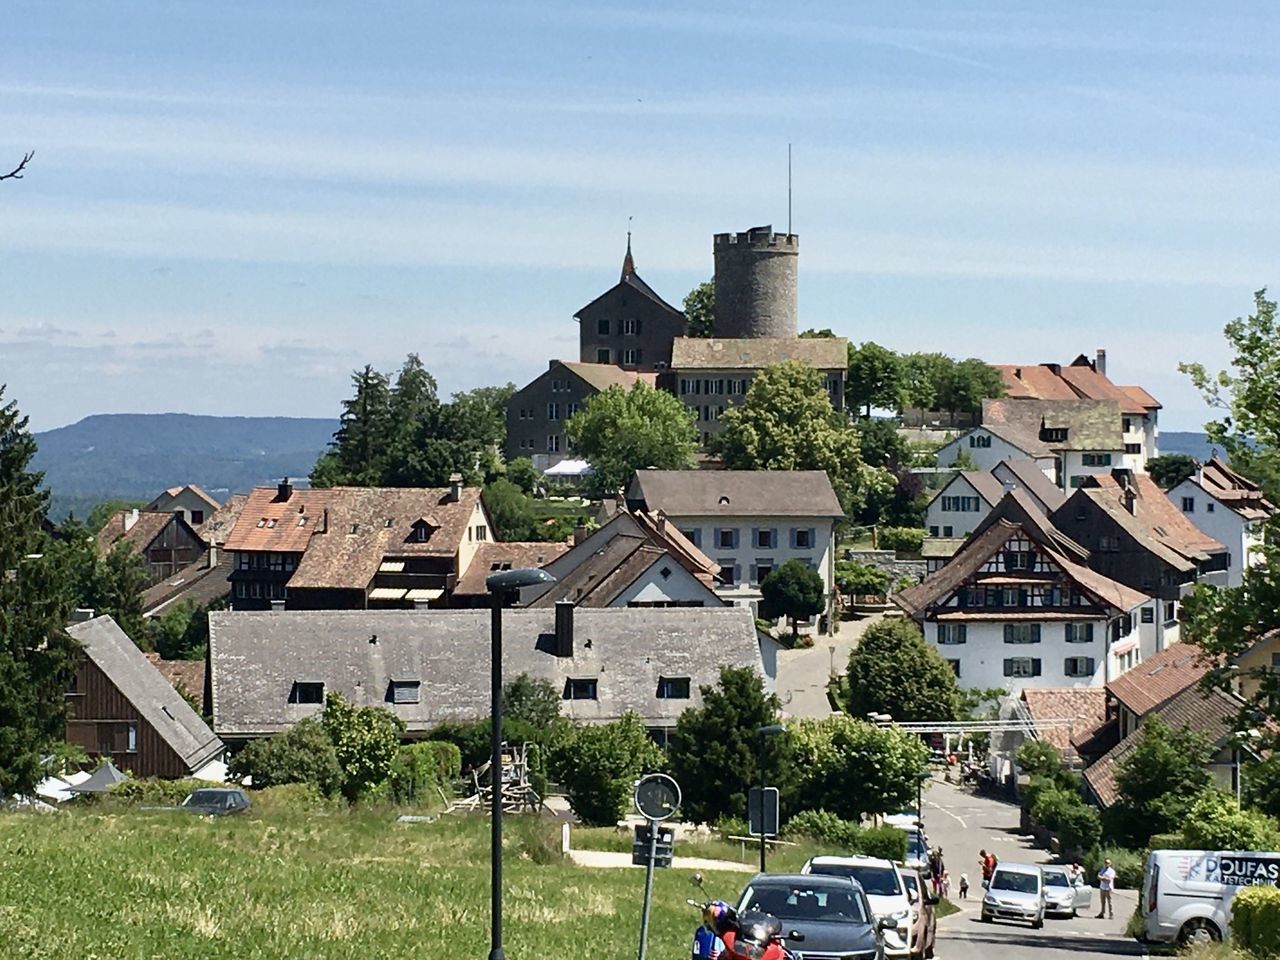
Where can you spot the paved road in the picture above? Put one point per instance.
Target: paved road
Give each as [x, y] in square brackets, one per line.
[803, 673]
[962, 824]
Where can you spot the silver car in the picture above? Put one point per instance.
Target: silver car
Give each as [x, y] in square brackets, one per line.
[1062, 897]
[1015, 892]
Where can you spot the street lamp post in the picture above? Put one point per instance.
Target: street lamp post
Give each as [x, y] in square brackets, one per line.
[771, 730]
[500, 587]
[920, 779]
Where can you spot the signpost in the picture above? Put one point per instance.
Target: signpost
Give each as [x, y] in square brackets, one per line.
[762, 818]
[657, 798]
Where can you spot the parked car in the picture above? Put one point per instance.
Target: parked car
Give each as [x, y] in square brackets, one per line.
[924, 920]
[1015, 892]
[917, 849]
[885, 891]
[216, 801]
[830, 913]
[1187, 894]
[1061, 896]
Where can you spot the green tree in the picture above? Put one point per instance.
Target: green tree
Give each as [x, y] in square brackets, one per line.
[358, 453]
[860, 579]
[1214, 822]
[1261, 785]
[118, 581]
[598, 765]
[1158, 781]
[510, 511]
[1170, 469]
[365, 742]
[700, 310]
[876, 378]
[924, 376]
[967, 383]
[1249, 426]
[714, 752]
[523, 474]
[302, 754]
[621, 431]
[786, 422]
[853, 768]
[894, 671]
[882, 445]
[531, 701]
[963, 461]
[793, 591]
[37, 656]
[1038, 758]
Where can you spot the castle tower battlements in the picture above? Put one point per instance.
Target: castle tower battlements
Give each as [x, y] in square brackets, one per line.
[756, 283]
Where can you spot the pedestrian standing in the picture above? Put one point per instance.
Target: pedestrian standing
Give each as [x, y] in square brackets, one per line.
[984, 861]
[946, 883]
[939, 868]
[964, 886]
[1106, 883]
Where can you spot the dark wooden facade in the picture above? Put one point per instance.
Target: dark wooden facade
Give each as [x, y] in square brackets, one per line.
[102, 722]
[174, 547]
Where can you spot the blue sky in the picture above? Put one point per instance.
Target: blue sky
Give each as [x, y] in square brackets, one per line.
[232, 205]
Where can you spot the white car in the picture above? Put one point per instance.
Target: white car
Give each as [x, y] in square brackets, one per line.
[1187, 894]
[1061, 896]
[887, 894]
[1015, 892]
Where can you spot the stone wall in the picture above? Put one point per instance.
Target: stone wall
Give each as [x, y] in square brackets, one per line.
[888, 561]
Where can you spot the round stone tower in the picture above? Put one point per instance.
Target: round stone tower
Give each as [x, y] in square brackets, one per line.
[756, 283]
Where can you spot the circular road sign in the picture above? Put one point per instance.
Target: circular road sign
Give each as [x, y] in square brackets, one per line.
[657, 796]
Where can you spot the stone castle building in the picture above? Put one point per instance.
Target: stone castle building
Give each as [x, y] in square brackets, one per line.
[629, 325]
[756, 284]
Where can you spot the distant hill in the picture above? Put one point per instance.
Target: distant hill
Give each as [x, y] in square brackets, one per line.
[1195, 444]
[131, 456]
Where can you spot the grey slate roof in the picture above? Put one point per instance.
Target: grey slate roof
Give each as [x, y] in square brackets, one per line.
[1090, 424]
[1029, 475]
[735, 493]
[717, 353]
[256, 657]
[142, 685]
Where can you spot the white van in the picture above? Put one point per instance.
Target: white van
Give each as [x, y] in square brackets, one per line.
[1186, 894]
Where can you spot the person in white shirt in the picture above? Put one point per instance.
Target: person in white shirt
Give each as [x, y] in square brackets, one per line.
[1106, 883]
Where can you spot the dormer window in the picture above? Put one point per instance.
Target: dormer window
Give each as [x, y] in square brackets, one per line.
[580, 688]
[307, 691]
[403, 691]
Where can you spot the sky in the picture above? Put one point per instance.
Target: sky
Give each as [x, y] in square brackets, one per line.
[232, 205]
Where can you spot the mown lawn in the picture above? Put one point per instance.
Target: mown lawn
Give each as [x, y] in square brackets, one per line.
[126, 885]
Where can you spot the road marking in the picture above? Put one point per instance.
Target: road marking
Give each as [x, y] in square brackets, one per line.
[958, 819]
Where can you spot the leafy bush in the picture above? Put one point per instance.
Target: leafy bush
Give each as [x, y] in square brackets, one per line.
[906, 539]
[302, 754]
[1037, 757]
[727, 827]
[860, 579]
[894, 671]
[414, 775]
[535, 839]
[155, 792]
[365, 740]
[1129, 865]
[1214, 823]
[825, 827]
[1255, 920]
[292, 798]
[1167, 841]
[1078, 826]
[852, 768]
[447, 757]
[598, 764]
[1157, 781]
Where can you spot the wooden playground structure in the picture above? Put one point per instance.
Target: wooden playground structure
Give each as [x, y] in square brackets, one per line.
[518, 795]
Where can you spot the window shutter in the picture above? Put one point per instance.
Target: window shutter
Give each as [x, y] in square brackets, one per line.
[1008, 665]
[754, 578]
[715, 538]
[637, 325]
[1092, 665]
[773, 537]
[1008, 638]
[755, 542]
[1035, 633]
[794, 542]
[813, 538]
[1035, 666]
[735, 538]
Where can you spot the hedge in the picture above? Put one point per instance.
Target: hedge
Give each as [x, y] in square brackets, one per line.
[155, 792]
[889, 843]
[1255, 920]
[906, 539]
[1129, 865]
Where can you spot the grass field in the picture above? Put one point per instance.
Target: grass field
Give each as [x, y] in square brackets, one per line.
[125, 885]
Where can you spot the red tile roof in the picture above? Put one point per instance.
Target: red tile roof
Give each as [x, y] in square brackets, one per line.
[1233, 490]
[137, 534]
[1078, 380]
[1085, 706]
[1155, 520]
[1159, 678]
[493, 557]
[185, 676]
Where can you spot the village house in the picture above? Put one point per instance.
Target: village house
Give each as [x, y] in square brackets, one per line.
[749, 522]
[1229, 508]
[986, 446]
[967, 499]
[1084, 436]
[205, 581]
[355, 547]
[190, 501]
[628, 325]
[634, 560]
[120, 708]
[491, 558]
[712, 374]
[1017, 607]
[269, 670]
[537, 413]
[1137, 536]
[165, 541]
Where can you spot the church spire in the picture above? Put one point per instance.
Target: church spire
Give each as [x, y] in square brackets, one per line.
[628, 263]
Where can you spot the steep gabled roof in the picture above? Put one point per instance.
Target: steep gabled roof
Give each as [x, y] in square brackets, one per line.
[602, 376]
[158, 703]
[219, 524]
[1020, 508]
[173, 492]
[736, 493]
[1211, 713]
[1090, 424]
[599, 580]
[1233, 490]
[630, 280]
[1086, 707]
[983, 483]
[1028, 475]
[139, 534]
[1155, 522]
[718, 353]
[1033, 382]
[196, 583]
[493, 557]
[1078, 380]
[1140, 397]
[1159, 678]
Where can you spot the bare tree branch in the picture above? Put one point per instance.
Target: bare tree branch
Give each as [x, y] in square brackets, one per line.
[16, 172]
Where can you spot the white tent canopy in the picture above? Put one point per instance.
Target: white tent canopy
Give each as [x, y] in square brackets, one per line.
[569, 468]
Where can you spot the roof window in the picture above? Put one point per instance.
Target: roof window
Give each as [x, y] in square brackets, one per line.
[403, 691]
[581, 688]
[307, 691]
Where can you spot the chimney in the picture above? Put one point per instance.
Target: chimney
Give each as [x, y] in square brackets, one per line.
[564, 628]
[1100, 361]
[455, 488]
[212, 556]
[277, 606]
[421, 604]
[130, 519]
[580, 534]
[1131, 500]
[82, 614]
[284, 490]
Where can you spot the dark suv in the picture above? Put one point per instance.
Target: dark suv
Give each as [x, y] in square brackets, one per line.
[216, 801]
[830, 913]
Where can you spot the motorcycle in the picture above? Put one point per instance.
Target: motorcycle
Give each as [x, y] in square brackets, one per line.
[726, 935]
